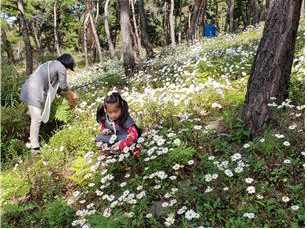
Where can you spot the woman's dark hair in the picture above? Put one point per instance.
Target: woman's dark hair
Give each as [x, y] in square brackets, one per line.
[67, 61]
[111, 99]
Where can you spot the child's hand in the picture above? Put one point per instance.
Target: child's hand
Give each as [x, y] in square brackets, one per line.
[115, 147]
[106, 131]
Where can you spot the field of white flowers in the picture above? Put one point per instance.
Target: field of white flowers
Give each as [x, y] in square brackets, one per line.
[198, 166]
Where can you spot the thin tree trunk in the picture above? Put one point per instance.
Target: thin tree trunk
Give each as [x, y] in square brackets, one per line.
[166, 30]
[107, 30]
[7, 46]
[180, 26]
[230, 4]
[172, 24]
[129, 60]
[85, 38]
[254, 11]
[98, 47]
[56, 39]
[137, 37]
[217, 14]
[144, 35]
[97, 12]
[37, 38]
[270, 75]
[26, 38]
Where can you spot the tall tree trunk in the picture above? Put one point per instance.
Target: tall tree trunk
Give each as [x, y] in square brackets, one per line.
[166, 23]
[144, 35]
[267, 7]
[270, 75]
[254, 11]
[98, 47]
[231, 5]
[129, 60]
[242, 13]
[107, 30]
[97, 12]
[217, 14]
[37, 37]
[202, 18]
[195, 14]
[26, 37]
[85, 38]
[180, 17]
[136, 32]
[172, 24]
[7, 46]
[56, 38]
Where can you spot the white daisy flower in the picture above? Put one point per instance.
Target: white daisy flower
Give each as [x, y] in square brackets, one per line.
[190, 162]
[295, 207]
[189, 215]
[285, 199]
[249, 180]
[251, 189]
[165, 204]
[286, 143]
[107, 212]
[287, 161]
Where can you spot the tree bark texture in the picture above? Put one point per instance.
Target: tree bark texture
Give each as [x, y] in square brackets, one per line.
[129, 60]
[98, 47]
[267, 7]
[56, 38]
[144, 35]
[230, 9]
[270, 75]
[172, 24]
[107, 30]
[136, 32]
[194, 18]
[166, 30]
[254, 11]
[85, 38]
[26, 38]
[93, 28]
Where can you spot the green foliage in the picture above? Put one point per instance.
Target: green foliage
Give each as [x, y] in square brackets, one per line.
[181, 154]
[235, 126]
[13, 186]
[57, 214]
[11, 81]
[51, 215]
[60, 110]
[74, 139]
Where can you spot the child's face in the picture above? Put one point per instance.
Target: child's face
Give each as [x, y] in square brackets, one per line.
[113, 111]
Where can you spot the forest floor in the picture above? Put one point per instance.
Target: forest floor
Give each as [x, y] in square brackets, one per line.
[198, 166]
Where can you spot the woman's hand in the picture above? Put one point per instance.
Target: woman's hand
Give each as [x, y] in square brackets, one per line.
[71, 97]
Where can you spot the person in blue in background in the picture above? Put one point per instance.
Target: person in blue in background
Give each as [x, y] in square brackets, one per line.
[48, 76]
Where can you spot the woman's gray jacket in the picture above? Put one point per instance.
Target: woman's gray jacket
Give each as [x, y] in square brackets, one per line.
[34, 90]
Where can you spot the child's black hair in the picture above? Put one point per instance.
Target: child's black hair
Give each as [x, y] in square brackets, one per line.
[67, 60]
[122, 104]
